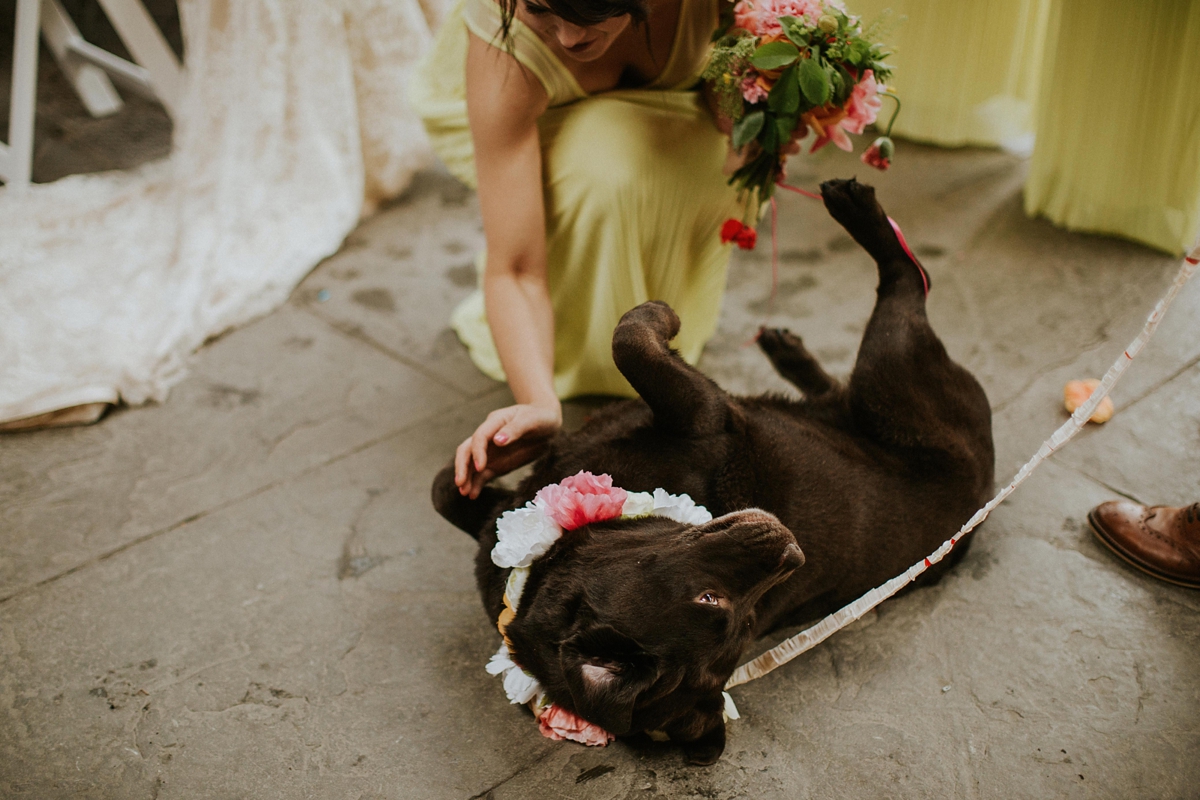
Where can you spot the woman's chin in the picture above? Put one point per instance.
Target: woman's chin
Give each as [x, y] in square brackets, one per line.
[592, 52]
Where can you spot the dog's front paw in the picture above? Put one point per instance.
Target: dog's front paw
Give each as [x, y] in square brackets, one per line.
[853, 204]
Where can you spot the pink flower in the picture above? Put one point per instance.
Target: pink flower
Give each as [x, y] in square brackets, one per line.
[863, 106]
[557, 723]
[860, 110]
[752, 91]
[761, 17]
[581, 499]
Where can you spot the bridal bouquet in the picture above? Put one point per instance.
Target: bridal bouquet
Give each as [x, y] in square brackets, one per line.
[777, 64]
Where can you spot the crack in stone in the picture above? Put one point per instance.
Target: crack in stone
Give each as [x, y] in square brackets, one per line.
[489, 793]
[21, 590]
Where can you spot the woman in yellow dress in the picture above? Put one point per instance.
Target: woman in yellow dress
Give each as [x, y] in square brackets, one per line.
[599, 170]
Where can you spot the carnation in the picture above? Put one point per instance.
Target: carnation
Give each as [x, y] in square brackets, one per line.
[581, 499]
[522, 535]
[518, 684]
[557, 723]
[680, 508]
[761, 17]
[863, 106]
[752, 90]
[638, 504]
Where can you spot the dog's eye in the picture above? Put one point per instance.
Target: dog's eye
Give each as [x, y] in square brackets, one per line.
[709, 598]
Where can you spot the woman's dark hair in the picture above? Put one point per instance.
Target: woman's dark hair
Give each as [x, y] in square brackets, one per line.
[577, 12]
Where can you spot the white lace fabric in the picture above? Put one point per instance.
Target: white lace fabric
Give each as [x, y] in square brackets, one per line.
[293, 124]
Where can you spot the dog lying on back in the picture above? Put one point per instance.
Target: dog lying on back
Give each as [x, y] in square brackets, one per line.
[636, 624]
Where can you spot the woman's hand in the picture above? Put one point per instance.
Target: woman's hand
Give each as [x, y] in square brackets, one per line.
[509, 438]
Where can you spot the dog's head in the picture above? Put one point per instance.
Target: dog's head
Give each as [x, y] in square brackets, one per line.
[636, 624]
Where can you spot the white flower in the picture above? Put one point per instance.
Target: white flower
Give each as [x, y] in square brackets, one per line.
[520, 686]
[516, 586]
[730, 711]
[680, 508]
[637, 504]
[522, 535]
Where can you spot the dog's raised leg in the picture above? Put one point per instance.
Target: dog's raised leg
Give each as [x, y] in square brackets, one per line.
[905, 390]
[684, 401]
[794, 363]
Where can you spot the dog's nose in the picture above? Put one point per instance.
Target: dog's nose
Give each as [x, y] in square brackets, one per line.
[792, 558]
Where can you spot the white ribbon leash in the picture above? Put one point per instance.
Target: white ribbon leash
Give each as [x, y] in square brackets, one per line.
[811, 637]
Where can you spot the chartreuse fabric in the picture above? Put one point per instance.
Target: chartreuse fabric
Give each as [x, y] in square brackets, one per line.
[1118, 134]
[967, 71]
[1110, 88]
[634, 193]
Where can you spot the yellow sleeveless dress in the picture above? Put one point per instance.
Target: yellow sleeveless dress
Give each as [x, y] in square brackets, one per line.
[634, 193]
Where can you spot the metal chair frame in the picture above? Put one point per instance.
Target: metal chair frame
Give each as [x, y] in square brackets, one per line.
[155, 71]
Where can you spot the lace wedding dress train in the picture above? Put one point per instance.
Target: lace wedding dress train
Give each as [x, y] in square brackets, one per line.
[294, 121]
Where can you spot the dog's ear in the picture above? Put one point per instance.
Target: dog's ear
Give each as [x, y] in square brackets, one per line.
[606, 672]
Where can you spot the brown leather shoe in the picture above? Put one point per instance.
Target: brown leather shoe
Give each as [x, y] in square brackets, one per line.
[1159, 540]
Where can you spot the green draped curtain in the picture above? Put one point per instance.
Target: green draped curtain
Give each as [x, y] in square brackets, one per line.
[1118, 133]
[1106, 94]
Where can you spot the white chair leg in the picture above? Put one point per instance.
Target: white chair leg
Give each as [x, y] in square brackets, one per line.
[90, 82]
[16, 160]
[148, 47]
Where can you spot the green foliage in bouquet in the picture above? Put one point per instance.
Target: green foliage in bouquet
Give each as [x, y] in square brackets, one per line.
[768, 88]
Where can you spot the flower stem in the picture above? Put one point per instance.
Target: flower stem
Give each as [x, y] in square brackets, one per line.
[895, 113]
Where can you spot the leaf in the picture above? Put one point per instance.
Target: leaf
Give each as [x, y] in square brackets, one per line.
[841, 93]
[775, 55]
[748, 127]
[795, 30]
[814, 82]
[838, 90]
[857, 53]
[785, 94]
[784, 127]
[770, 140]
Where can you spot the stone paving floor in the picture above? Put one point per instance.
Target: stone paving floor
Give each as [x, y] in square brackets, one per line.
[244, 592]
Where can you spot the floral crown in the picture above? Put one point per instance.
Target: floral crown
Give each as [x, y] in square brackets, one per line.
[524, 534]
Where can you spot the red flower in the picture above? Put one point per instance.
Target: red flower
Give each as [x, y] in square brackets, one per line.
[730, 230]
[879, 154]
[582, 499]
[743, 235]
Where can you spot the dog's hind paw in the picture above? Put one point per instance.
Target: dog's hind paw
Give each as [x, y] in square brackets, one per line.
[653, 315]
[780, 342]
[793, 362]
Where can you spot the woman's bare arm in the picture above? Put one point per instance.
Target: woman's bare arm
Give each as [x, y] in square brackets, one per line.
[503, 104]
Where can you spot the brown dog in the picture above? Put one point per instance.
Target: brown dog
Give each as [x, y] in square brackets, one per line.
[635, 625]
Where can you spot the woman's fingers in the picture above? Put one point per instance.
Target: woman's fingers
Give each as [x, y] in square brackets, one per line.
[478, 481]
[471, 456]
[528, 419]
[462, 463]
[483, 435]
[507, 439]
